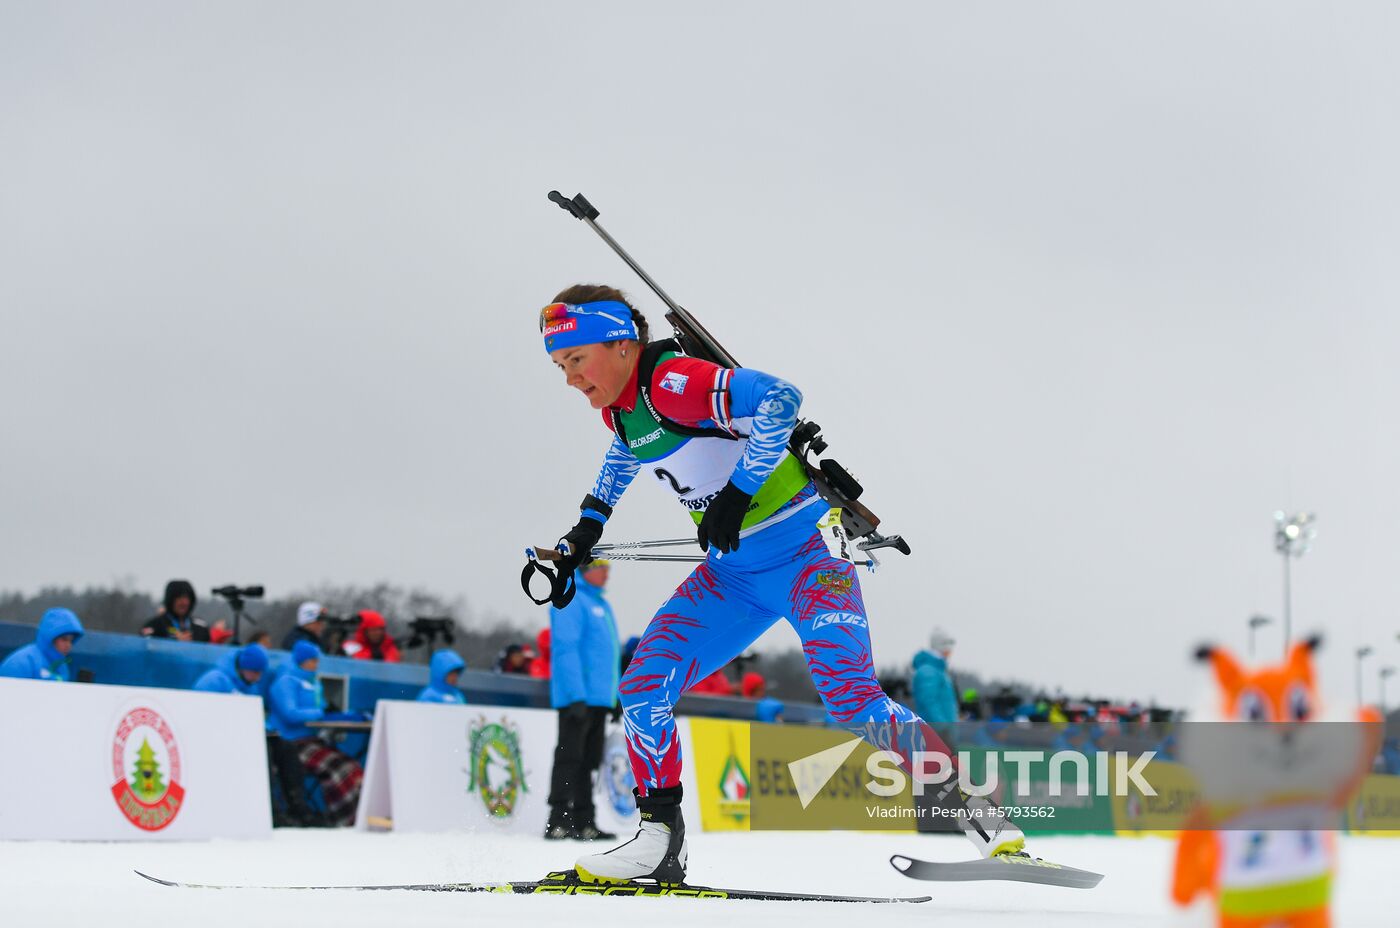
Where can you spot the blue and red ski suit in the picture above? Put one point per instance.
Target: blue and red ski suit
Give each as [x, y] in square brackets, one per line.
[781, 570]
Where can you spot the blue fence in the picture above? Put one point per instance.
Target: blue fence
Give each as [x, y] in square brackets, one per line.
[134, 660]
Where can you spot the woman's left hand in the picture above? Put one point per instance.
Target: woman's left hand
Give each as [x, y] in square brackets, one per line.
[723, 518]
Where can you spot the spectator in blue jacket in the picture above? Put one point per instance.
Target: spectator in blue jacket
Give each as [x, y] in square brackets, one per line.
[753, 686]
[243, 671]
[584, 667]
[295, 696]
[294, 700]
[935, 699]
[47, 657]
[442, 678]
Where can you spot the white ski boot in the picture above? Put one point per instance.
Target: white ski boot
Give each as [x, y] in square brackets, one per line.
[658, 852]
[989, 828]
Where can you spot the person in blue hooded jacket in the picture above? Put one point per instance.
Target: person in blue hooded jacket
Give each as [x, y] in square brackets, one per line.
[935, 698]
[47, 657]
[442, 678]
[584, 668]
[295, 696]
[242, 671]
[294, 699]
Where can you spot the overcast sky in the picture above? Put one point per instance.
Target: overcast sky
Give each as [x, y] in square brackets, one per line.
[1081, 291]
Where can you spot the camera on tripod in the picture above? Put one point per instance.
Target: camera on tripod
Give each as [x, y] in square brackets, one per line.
[236, 595]
[338, 628]
[427, 628]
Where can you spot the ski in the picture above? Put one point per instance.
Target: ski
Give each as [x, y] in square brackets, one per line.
[1017, 867]
[566, 883]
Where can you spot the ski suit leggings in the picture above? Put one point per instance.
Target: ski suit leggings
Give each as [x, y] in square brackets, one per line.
[724, 606]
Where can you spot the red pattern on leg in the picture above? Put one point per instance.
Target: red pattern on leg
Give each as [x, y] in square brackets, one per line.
[664, 640]
[844, 674]
[702, 582]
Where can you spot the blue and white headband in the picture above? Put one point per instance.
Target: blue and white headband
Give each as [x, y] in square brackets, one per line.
[568, 325]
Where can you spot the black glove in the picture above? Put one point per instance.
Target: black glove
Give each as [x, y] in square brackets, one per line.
[615, 713]
[722, 520]
[581, 538]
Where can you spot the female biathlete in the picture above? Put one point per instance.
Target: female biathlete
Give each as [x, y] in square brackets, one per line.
[717, 437]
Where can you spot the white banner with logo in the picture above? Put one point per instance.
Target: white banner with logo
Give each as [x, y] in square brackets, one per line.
[87, 762]
[436, 767]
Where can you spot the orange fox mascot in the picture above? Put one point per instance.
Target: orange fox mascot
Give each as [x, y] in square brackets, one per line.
[1272, 785]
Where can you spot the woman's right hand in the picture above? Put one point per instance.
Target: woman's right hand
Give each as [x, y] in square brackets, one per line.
[581, 538]
[575, 549]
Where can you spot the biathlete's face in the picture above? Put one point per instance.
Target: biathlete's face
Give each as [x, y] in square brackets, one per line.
[598, 371]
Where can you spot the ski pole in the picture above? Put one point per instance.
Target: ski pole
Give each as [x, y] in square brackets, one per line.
[642, 556]
[551, 554]
[698, 559]
[561, 587]
[660, 543]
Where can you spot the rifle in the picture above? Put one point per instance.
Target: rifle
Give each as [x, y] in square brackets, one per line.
[833, 482]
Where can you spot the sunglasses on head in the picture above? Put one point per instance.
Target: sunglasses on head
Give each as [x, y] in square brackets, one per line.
[554, 312]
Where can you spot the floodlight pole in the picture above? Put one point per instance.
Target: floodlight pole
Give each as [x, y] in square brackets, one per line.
[1287, 603]
[1293, 535]
[1255, 622]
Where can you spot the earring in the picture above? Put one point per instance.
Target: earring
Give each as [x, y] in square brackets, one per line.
[624, 352]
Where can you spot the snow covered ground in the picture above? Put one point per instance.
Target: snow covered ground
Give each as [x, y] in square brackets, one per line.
[47, 883]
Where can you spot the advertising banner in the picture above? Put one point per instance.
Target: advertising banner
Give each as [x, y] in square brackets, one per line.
[1375, 809]
[1047, 793]
[612, 788]
[124, 763]
[720, 760]
[754, 776]
[1177, 795]
[435, 767]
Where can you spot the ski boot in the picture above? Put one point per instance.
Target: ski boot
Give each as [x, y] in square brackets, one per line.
[658, 852]
[990, 830]
[560, 826]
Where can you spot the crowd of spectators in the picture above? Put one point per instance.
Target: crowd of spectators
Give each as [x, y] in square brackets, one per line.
[580, 656]
[295, 711]
[938, 700]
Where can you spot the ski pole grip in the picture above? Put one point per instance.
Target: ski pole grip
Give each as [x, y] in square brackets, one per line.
[578, 207]
[561, 585]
